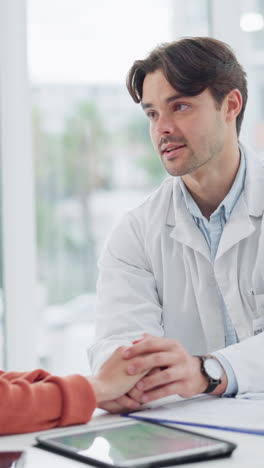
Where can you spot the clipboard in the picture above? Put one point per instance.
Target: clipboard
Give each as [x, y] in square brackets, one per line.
[240, 415]
[259, 432]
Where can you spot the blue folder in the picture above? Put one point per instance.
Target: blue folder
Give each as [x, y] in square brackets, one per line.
[259, 432]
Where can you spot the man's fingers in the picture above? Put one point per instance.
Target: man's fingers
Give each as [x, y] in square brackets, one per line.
[163, 377]
[127, 403]
[145, 335]
[161, 392]
[124, 403]
[147, 362]
[135, 394]
[148, 345]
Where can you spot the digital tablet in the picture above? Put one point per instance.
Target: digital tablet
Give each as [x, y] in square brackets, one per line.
[136, 444]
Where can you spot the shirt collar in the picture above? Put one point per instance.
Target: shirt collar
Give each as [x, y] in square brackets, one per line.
[231, 198]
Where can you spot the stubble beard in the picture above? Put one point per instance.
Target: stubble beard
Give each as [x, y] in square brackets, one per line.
[210, 148]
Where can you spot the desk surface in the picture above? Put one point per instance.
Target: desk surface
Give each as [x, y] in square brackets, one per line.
[249, 453]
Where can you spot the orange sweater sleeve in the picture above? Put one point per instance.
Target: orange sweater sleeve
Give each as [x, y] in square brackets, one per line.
[37, 400]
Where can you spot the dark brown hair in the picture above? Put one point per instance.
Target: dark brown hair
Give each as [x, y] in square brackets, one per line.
[191, 65]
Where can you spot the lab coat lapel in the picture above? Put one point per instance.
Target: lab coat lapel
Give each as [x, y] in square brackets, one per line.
[238, 227]
[254, 184]
[251, 203]
[185, 229]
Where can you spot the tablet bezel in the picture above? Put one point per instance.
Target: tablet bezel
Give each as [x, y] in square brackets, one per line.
[223, 448]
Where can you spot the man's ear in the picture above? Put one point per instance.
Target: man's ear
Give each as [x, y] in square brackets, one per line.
[233, 104]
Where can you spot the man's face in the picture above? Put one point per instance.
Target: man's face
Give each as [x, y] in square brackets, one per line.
[187, 131]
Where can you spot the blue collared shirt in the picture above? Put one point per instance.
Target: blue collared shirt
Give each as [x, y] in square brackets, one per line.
[212, 231]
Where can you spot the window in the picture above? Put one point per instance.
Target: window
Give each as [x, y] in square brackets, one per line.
[252, 24]
[93, 156]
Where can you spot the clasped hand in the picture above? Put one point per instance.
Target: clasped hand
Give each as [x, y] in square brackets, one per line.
[167, 369]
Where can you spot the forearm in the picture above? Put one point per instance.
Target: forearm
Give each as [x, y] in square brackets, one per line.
[127, 298]
[37, 401]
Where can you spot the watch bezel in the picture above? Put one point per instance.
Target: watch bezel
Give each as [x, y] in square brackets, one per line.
[216, 366]
[212, 382]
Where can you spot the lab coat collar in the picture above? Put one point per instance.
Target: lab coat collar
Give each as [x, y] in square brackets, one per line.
[185, 229]
[250, 203]
[238, 227]
[254, 183]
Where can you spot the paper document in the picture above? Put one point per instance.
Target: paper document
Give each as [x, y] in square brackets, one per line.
[234, 414]
[251, 396]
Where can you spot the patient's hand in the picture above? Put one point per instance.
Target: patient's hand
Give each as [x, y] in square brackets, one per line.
[112, 384]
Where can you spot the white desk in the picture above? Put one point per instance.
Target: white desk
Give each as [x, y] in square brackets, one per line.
[248, 454]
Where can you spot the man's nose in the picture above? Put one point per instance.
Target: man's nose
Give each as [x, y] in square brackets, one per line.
[165, 125]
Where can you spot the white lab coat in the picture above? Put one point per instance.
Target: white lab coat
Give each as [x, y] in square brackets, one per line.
[156, 276]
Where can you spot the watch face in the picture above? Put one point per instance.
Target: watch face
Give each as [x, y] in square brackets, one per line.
[213, 368]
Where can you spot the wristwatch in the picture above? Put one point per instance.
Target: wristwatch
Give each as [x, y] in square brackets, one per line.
[212, 370]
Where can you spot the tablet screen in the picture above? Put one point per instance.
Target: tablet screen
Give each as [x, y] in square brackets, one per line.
[136, 442]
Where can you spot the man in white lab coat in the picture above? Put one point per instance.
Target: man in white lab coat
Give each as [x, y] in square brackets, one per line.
[182, 275]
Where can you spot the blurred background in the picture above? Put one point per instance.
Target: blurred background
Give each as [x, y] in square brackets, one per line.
[76, 152]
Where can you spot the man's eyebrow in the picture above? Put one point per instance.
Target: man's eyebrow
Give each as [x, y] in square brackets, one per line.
[147, 105]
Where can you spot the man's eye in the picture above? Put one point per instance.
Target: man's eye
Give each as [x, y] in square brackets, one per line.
[180, 107]
[151, 115]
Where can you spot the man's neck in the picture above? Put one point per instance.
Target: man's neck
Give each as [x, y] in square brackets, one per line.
[210, 184]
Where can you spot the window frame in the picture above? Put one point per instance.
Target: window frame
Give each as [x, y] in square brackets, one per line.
[17, 185]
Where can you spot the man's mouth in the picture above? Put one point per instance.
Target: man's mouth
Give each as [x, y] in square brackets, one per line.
[169, 150]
